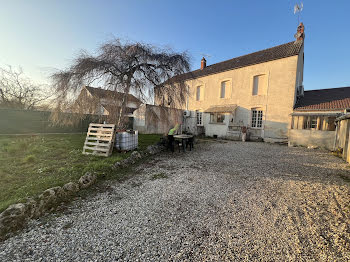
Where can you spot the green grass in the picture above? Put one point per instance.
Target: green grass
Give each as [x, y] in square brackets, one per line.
[32, 164]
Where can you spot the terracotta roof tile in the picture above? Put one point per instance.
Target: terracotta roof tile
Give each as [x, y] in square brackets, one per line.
[324, 99]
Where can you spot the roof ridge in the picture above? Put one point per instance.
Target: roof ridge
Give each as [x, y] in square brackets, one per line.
[324, 99]
[326, 89]
[262, 56]
[102, 90]
[248, 54]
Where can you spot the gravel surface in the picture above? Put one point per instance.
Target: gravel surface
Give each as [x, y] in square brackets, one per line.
[227, 201]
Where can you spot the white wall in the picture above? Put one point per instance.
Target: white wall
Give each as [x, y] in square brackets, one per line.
[308, 137]
[219, 129]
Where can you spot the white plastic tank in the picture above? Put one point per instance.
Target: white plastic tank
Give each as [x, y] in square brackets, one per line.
[126, 140]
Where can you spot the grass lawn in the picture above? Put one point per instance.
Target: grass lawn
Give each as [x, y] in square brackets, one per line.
[32, 164]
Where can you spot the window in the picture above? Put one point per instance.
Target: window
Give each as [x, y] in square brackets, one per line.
[255, 85]
[217, 118]
[220, 118]
[223, 89]
[313, 123]
[310, 122]
[199, 118]
[257, 116]
[259, 85]
[198, 93]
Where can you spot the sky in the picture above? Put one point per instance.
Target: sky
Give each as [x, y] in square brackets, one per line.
[42, 36]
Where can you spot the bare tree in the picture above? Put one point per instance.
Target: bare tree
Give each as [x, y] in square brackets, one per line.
[125, 67]
[18, 91]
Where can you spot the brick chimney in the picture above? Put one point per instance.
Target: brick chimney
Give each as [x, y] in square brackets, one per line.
[300, 35]
[203, 63]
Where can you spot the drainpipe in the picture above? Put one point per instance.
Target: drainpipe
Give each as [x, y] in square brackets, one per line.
[267, 101]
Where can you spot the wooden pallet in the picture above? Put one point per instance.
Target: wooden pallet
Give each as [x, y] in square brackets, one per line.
[99, 139]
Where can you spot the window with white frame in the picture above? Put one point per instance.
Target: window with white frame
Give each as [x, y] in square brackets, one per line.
[199, 118]
[257, 117]
[223, 89]
[310, 122]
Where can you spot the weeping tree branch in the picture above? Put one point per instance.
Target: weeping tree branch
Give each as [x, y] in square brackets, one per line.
[18, 91]
[124, 67]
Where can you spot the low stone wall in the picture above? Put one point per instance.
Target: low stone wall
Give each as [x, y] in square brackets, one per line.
[311, 138]
[16, 216]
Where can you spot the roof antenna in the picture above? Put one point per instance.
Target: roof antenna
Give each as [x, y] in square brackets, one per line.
[298, 9]
[206, 55]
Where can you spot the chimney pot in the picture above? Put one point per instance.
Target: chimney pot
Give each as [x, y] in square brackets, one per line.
[203, 63]
[300, 35]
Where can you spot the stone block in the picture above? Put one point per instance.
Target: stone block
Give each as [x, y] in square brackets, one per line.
[87, 180]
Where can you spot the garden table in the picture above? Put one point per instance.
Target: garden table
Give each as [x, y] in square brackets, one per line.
[184, 139]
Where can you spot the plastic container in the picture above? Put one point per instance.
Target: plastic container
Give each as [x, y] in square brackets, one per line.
[126, 140]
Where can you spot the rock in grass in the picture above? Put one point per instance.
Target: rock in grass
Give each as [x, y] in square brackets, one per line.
[154, 149]
[123, 163]
[117, 165]
[31, 208]
[15, 210]
[135, 155]
[87, 180]
[70, 188]
[13, 218]
[59, 192]
[47, 200]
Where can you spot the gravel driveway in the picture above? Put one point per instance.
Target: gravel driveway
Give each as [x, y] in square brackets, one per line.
[228, 201]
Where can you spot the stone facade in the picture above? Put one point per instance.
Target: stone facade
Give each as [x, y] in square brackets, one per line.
[276, 97]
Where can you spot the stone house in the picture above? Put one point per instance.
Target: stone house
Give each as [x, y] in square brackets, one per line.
[258, 90]
[98, 101]
[313, 120]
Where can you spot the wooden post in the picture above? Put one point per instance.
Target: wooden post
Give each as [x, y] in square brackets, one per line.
[319, 126]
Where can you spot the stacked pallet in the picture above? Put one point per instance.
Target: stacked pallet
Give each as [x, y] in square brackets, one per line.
[99, 140]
